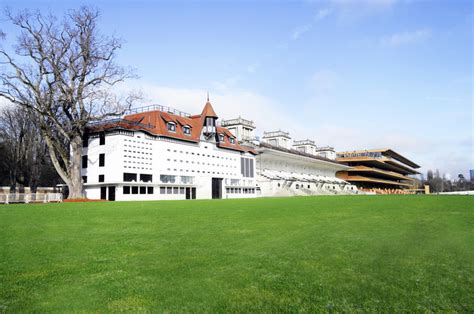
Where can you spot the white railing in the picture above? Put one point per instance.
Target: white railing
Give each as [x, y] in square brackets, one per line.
[30, 198]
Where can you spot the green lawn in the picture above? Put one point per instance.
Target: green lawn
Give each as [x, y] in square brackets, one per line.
[342, 253]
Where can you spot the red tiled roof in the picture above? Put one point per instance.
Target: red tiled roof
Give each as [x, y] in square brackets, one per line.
[208, 111]
[155, 122]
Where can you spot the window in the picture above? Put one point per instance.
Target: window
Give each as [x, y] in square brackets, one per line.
[162, 190]
[181, 190]
[150, 190]
[221, 137]
[210, 122]
[101, 160]
[187, 179]
[246, 167]
[186, 130]
[84, 161]
[102, 139]
[85, 141]
[134, 189]
[167, 178]
[143, 190]
[171, 126]
[101, 178]
[129, 177]
[169, 190]
[175, 190]
[126, 190]
[146, 177]
[297, 186]
[84, 179]
[232, 140]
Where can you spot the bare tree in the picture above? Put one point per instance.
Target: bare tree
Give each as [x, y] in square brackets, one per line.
[64, 73]
[24, 152]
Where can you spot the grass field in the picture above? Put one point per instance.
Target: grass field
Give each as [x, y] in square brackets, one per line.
[371, 253]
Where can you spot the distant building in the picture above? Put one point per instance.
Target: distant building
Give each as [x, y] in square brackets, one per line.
[471, 175]
[377, 169]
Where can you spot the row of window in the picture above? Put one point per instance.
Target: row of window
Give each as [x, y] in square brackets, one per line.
[199, 171]
[101, 178]
[240, 190]
[199, 154]
[138, 190]
[132, 177]
[203, 163]
[171, 126]
[101, 161]
[85, 140]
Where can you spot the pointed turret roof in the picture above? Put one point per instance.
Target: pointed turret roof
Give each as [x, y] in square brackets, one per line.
[208, 111]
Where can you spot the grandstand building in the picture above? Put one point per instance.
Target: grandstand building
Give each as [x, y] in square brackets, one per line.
[161, 153]
[286, 168]
[377, 170]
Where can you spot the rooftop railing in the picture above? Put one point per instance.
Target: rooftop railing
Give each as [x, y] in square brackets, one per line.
[120, 121]
[158, 108]
[324, 148]
[360, 154]
[304, 142]
[276, 134]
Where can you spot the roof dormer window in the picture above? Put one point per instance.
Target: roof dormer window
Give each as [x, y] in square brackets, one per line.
[232, 140]
[186, 130]
[221, 138]
[171, 126]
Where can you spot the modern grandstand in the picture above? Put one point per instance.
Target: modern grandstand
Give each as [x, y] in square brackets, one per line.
[378, 170]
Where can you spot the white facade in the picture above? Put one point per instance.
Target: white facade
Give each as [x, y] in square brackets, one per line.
[277, 138]
[283, 173]
[178, 169]
[243, 129]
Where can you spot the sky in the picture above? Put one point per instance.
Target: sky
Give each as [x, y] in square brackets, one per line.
[350, 74]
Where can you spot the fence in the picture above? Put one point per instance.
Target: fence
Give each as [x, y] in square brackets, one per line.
[30, 198]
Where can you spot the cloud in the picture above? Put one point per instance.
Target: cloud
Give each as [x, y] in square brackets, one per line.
[321, 14]
[300, 30]
[323, 81]
[228, 103]
[351, 11]
[405, 38]
[252, 68]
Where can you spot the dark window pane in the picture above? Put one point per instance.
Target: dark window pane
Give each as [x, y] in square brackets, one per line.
[146, 177]
[84, 161]
[84, 179]
[150, 190]
[101, 160]
[129, 177]
[162, 190]
[101, 178]
[143, 190]
[126, 190]
[102, 139]
[134, 189]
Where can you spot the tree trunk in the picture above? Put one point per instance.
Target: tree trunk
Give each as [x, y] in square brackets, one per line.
[75, 180]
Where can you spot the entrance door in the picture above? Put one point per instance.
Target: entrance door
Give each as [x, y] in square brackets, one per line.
[188, 193]
[111, 193]
[216, 187]
[103, 192]
[193, 193]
